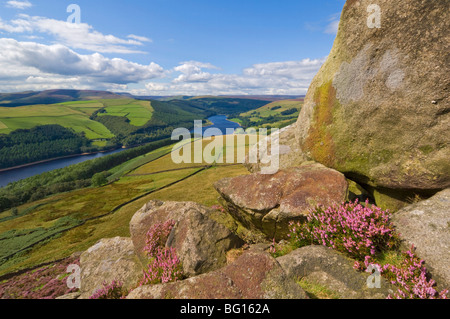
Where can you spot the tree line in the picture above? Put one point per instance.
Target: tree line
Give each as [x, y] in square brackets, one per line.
[68, 178]
[39, 143]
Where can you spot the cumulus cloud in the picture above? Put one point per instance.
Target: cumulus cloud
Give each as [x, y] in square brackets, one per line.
[74, 35]
[283, 78]
[36, 66]
[30, 63]
[192, 71]
[19, 4]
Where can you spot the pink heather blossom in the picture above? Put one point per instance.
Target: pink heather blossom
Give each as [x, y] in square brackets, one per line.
[113, 290]
[164, 265]
[47, 282]
[362, 231]
[353, 228]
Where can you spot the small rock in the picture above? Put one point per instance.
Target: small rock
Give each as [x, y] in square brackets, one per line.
[330, 269]
[426, 225]
[73, 295]
[254, 275]
[109, 260]
[267, 203]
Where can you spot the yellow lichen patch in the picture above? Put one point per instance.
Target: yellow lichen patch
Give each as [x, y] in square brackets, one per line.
[234, 254]
[319, 141]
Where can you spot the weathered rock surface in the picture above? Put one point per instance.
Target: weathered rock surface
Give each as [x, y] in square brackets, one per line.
[108, 260]
[261, 157]
[71, 296]
[267, 203]
[328, 268]
[426, 225]
[254, 275]
[378, 110]
[200, 242]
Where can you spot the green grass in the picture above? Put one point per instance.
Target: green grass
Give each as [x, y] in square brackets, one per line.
[26, 117]
[134, 163]
[100, 143]
[261, 116]
[138, 112]
[391, 257]
[267, 110]
[75, 115]
[317, 291]
[15, 241]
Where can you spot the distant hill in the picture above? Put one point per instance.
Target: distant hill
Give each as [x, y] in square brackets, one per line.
[60, 96]
[268, 98]
[53, 96]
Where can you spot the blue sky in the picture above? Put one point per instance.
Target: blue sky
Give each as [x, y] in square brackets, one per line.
[166, 47]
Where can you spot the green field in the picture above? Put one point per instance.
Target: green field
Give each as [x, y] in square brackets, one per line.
[75, 115]
[138, 112]
[267, 110]
[78, 219]
[271, 115]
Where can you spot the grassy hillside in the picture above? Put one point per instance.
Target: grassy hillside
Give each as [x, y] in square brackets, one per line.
[60, 225]
[75, 115]
[52, 97]
[277, 114]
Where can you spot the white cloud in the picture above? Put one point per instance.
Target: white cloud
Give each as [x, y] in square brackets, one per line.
[29, 64]
[283, 78]
[139, 38]
[36, 66]
[303, 69]
[77, 36]
[192, 72]
[19, 4]
[333, 25]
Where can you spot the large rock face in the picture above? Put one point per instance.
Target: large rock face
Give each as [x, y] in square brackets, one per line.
[378, 110]
[289, 153]
[254, 275]
[426, 225]
[200, 243]
[108, 260]
[267, 203]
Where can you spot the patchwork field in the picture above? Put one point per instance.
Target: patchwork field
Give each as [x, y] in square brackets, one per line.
[75, 115]
[138, 112]
[277, 114]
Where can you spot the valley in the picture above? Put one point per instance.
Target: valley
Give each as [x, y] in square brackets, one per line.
[50, 216]
[97, 125]
[60, 225]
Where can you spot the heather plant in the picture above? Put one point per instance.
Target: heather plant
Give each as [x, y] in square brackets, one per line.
[411, 277]
[365, 233]
[113, 290]
[48, 282]
[157, 236]
[352, 228]
[164, 265]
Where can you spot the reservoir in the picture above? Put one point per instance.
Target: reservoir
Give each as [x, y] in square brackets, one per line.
[219, 121]
[28, 171]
